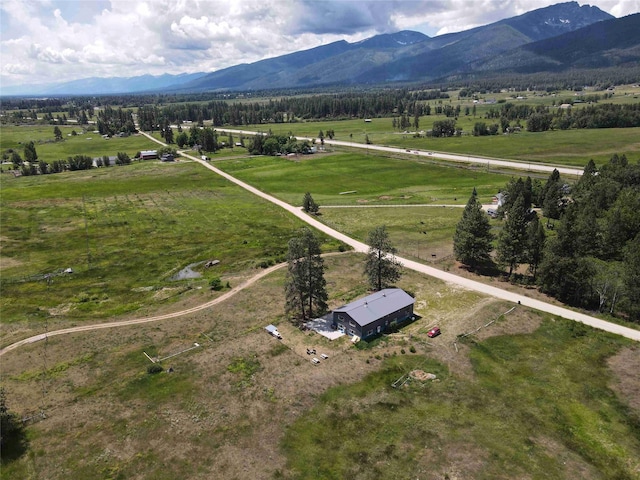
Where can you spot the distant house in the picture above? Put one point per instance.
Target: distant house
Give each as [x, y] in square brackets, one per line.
[367, 120]
[148, 154]
[374, 313]
[499, 199]
[167, 157]
[100, 161]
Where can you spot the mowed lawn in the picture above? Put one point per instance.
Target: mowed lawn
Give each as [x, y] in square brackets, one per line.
[361, 179]
[125, 231]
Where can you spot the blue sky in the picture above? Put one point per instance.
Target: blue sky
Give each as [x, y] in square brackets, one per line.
[46, 41]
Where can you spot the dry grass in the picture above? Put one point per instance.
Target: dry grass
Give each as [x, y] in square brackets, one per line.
[625, 367]
[202, 419]
[224, 410]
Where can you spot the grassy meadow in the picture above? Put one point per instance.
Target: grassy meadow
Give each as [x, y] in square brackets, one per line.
[371, 179]
[125, 231]
[537, 406]
[531, 396]
[88, 143]
[558, 147]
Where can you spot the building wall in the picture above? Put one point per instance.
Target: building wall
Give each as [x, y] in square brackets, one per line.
[351, 327]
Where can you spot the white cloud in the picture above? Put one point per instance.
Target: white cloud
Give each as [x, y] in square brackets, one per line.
[43, 41]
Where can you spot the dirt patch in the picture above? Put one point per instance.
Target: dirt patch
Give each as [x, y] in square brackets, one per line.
[422, 375]
[6, 262]
[625, 366]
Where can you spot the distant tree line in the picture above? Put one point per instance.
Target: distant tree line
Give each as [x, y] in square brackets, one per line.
[291, 109]
[590, 259]
[541, 118]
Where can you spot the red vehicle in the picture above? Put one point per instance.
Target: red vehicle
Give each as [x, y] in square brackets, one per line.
[434, 332]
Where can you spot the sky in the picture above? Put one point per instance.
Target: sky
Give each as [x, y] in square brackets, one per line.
[50, 41]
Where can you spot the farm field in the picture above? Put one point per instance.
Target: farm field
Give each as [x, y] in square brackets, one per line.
[368, 179]
[89, 143]
[125, 231]
[529, 395]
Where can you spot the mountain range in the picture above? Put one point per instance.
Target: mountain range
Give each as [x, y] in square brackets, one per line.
[555, 38]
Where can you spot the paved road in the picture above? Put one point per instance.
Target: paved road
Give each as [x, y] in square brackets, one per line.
[358, 247]
[452, 157]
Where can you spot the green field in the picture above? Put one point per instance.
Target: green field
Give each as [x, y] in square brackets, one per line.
[561, 147]
[89, 143]
[372, 179]
[124, 231]
[532, 396]
[538, 406]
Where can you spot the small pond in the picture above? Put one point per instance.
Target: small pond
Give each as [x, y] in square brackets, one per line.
[187, 272]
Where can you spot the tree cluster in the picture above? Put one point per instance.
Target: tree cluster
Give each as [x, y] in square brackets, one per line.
[111, 121]
[271, 144]
[13, 439]
[305, 286]
[594, 260]
[591, 257]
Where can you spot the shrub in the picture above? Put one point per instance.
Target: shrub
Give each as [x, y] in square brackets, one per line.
[412, 349]
[215, 283]
[154, 368]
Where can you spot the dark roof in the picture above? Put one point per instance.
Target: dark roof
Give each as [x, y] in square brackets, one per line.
[377, 305]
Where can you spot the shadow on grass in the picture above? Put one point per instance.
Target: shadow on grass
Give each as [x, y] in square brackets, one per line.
[14, 441]
[381, 337]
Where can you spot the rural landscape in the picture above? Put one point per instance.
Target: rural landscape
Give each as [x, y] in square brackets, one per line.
[185, 267]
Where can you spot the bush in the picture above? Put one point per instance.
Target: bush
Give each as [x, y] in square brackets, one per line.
[154, 368]
[215, 283]
[412, 349]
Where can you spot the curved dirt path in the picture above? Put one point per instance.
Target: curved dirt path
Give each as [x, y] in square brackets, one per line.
[137, 321]
[358, 247]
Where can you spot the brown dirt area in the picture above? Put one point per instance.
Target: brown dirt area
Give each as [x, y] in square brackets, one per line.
[204, 420]
[625, 366]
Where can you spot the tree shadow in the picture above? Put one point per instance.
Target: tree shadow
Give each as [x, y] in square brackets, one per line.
[486, 269]
[14, 441]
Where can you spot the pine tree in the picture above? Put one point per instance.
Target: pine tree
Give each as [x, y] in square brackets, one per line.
[305, 288]
[381, 268]
[512, 241]
[472, 239]
[535, 244]
[309, 205]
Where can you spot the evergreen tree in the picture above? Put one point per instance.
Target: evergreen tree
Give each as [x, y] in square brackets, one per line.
[30, 154]
[631, 277]
[305, 287]
[472, 239]
[309, 205]
[536, 239]
[381, 267]
[57, 133]
[512, 241]
[551, 196]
